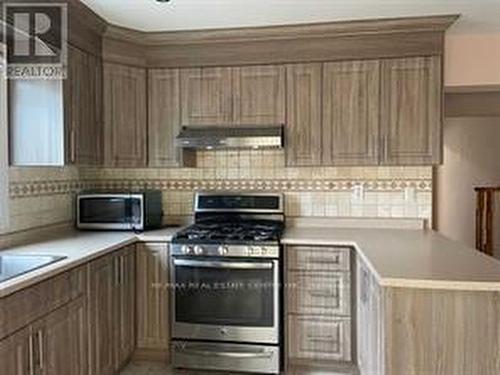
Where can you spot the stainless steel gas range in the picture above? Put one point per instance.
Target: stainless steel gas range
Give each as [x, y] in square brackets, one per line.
[226, 269]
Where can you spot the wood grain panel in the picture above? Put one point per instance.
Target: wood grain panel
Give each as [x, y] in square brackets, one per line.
[153, 297]
[15, 353]
[259, 95]
[315, 294]
[101, 317]
[369, 321]
[304, 106]
[206, 96]
[61, 340]
[318, 259]
[442, 332]
[319, 338]
[83, 108]
[125, 116]
[164, 117]
[124, 308]
[24, 307]
[351, 110]
[411, 118]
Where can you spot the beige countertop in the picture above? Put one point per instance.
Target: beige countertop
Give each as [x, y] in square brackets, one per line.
[409, 258]
[398, 257]
[79, 248]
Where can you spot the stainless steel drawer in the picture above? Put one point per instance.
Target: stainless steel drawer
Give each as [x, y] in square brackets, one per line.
[319, 338]
[319, 294]
[307, 258]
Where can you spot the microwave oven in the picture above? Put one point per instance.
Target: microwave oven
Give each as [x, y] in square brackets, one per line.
[119, 211]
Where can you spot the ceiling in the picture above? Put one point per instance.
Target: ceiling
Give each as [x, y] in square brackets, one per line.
[478, 16]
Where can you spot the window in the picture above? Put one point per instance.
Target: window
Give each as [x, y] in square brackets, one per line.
[36, 122]
[4, 181]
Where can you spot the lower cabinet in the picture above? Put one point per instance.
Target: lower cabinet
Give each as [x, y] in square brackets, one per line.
[112, 311]
[124, 306]
[16, 353]
[318, 304]
[153, 300]
[55, 344]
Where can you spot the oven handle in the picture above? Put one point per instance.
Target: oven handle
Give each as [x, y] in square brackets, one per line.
[210, 353]
[230, 265]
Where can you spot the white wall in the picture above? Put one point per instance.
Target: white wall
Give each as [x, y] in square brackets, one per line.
[472, 60]
[471, 158]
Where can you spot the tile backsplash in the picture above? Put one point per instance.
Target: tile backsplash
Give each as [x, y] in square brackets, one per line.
[41, 197]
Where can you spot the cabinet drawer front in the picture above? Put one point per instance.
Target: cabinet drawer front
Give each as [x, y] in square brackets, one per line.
[316, 338]
[318, 258]
[23, 307]
[322, 295]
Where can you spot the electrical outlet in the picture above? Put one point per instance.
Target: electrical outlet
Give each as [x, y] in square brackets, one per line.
[358, 193]
[410, 194]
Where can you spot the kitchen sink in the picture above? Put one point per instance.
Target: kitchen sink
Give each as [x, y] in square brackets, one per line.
[13, 265]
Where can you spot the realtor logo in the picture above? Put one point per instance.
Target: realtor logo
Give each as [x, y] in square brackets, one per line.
[36, 38]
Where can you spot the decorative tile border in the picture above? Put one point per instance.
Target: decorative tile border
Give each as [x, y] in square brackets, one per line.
[44, 188]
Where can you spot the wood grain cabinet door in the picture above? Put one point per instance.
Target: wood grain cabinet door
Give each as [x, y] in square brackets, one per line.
[101, 318]
[83, 103]
[125, 116]
[124, 306]
[153, 296]
[16, 353]
[319, 338]
[60, 341]
[411, 111]
[164, 117]
[206, 96]
[303, 124]
[351, 113]
[259, 95]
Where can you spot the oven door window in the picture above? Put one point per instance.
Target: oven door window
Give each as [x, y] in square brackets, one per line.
[230, 293]
[105, 210]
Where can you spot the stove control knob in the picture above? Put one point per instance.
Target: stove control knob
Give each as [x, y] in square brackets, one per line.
[223, 250]
[187, 249]
[198, 250]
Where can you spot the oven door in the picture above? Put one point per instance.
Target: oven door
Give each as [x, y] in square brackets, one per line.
[226, 300]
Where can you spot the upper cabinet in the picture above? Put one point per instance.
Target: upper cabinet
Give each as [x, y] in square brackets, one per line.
[125, 116]
[411, 111]
[351, 113]
[374, 112]
[206, 96]
[164, 117]
[259, 95]
[304, 107]
[252, 95]
[83, 108]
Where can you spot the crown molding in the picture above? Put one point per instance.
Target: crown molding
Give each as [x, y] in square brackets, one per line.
[365, 39]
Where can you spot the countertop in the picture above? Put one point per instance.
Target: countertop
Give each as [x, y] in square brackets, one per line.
[398, 257]
[79, 248]
[409, 258]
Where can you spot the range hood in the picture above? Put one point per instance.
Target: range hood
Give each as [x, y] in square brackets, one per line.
[242, 137]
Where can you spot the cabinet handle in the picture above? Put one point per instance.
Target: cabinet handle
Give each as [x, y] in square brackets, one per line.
[40, 349]
[72, 144]
[31, 361]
